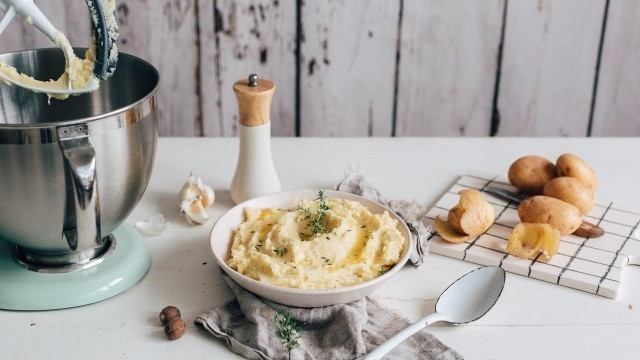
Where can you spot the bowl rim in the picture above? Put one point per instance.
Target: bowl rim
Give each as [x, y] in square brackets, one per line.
[111, 113]
[404, 257]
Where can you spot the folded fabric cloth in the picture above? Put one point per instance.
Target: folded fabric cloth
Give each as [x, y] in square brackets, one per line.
[410, 211]
[254, 328]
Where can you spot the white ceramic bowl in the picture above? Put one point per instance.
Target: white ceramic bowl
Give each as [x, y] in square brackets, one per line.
[223, 231]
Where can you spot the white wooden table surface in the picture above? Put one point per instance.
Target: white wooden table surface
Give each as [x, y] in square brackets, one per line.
[532, 319]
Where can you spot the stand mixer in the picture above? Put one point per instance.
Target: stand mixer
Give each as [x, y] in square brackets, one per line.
[72, 171]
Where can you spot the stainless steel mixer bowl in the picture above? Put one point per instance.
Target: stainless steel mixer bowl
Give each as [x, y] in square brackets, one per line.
[72, 171]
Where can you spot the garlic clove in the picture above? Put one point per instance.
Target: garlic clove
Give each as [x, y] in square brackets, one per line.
[208, 196]
[184, 206]
[197, 214]
[194, 198]
[190, 189]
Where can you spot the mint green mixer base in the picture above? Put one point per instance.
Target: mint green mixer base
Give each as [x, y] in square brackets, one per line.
[22, 289]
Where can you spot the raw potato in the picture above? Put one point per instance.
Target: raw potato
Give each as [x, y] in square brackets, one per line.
[571, 190]
[530, 174]
[572, 166]
[471, 217]
[527, 240]
[547, 210]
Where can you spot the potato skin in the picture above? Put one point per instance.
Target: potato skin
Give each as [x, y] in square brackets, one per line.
[547, 210]
[573, 166]
[473, 215]
[530, 174]
[454, 218]
[571, 190]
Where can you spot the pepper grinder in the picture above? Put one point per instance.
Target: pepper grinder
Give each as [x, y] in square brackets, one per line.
[255, 173]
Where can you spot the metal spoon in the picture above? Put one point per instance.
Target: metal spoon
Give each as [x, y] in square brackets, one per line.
[464, 301]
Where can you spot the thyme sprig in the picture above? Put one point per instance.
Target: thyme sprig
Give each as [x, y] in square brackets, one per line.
[316, 220]
[280, 252]
[288, 330]
[383, 270]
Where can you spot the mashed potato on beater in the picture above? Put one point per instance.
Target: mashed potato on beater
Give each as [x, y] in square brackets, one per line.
[323, 244]
[79, 72]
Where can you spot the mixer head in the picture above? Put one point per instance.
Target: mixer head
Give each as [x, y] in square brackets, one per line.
[105, 33]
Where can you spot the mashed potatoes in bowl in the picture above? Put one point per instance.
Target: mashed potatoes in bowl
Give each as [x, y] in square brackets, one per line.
[299, 249]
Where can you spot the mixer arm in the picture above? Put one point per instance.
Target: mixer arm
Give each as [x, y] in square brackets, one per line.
[28, 10]
[9, 13]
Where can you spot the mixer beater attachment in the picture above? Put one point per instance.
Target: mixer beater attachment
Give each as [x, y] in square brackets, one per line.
[105, 33]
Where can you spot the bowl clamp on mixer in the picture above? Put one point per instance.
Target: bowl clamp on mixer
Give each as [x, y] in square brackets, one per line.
[93, 267]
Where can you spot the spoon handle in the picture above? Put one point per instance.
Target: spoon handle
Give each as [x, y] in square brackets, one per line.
[398, 338]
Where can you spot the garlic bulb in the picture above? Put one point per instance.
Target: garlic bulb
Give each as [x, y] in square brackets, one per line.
[193, 200]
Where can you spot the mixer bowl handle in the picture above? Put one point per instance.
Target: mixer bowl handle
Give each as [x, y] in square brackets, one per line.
[80, 163]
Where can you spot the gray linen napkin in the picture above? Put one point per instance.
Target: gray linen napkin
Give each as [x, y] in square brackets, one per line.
[345, 331]
[410, 211]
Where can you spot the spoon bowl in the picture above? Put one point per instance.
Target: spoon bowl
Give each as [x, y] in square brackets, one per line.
[472, 295]
[466, 300]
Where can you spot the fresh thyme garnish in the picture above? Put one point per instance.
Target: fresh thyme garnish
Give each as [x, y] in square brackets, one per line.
[316, 221]
[323, 200]
[326, 261]
[288, 330]
[259, 246]
[383, 270]
[280, 252]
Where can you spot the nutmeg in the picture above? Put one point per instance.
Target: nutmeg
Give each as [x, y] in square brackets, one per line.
[175, 328]
[169, 313]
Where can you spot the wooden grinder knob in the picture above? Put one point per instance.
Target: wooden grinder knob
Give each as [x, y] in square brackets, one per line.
[254, 100]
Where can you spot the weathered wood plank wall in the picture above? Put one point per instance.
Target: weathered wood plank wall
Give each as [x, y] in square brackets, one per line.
[548, 66]
[348, 56]
[241, 37]
[165, 34]
[448, 62]
[65, 15]
[382, 67]
[617, 106]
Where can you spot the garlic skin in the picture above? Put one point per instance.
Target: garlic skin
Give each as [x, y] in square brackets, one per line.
[194, 198]
[155, 226]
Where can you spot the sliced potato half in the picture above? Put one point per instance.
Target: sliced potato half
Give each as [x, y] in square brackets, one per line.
[529, 239]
